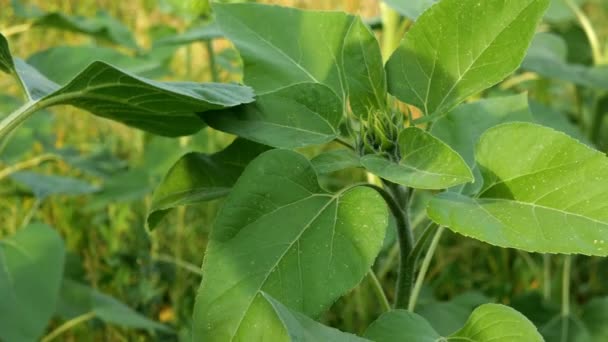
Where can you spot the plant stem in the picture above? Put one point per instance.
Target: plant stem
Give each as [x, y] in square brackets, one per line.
[377, 287]
[9, 123]
[424, 269]
[179, 263]
[594, 41]
[215, 77]
[566, 286]
[406, 243]
[68, 325]
[547, 276]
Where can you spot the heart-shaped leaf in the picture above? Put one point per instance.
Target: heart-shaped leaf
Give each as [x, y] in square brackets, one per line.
[31, 269]
[543, 192]
[280, 233]
[426, 163]
[489, 322]
[295, 116]
[301, 328]
[460, 47]
[198, 177]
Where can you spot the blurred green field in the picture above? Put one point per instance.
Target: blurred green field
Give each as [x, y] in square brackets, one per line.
[158, 273]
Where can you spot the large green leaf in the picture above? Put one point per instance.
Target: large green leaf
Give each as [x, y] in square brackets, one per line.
[280, 233]
[489, 322]
[460, 47]
[283, 46]
[303, 329]
[543, 192]
[364, 70]
[31, 268]
[165, 108]
[411, 9]
[548, 57]
[199, 177]
[295, 116]
[426, 163]
[77, 299]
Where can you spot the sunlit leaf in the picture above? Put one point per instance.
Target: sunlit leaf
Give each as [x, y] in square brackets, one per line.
[460, 47]
[543, 192]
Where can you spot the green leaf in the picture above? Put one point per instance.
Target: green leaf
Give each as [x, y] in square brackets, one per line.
[164, 108]
[426, 163]
[198, 177]
[43, 186]
[283, 46]
[497, 323]
[559, 121]
[295, 116]
[543, 192]
[460, 47]
[62, 63]
[77, 299]
[566, 328]
[301, 328]
[280, 233]
[364, 70]
[411, 9]
[489, 322]
[336, 160]
[31, 268]
[461, 127]
[548, 57]
[401, 325]
[447, 317]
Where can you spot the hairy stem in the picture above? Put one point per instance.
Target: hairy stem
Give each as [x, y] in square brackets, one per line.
[424, 269]
[26, 165]
[406, 241]
[13, 120]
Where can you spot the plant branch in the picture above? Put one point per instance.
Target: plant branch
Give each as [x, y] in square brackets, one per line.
[9, 123]
[424, 269]
[377, 287]
[68, 325]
